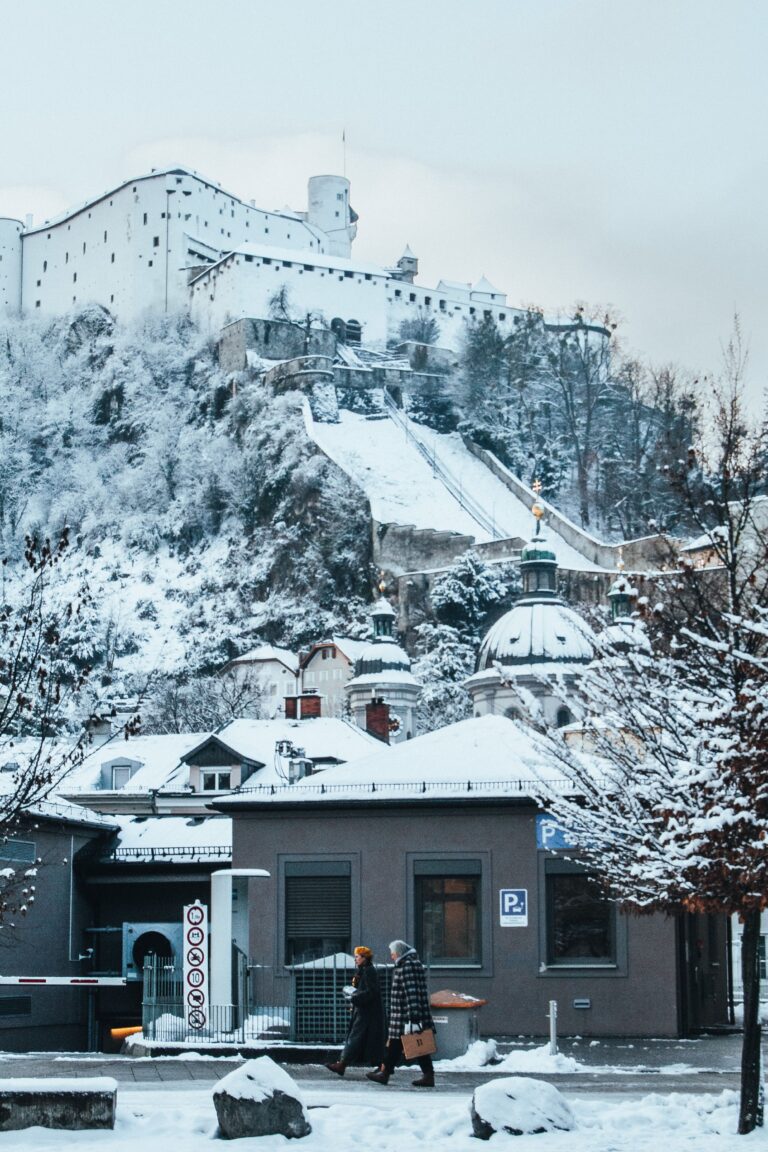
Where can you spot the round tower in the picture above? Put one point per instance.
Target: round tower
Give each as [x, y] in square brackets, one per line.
[10, 264]
[328, 209]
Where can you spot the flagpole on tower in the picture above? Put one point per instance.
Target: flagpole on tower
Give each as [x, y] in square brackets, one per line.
[344, 152]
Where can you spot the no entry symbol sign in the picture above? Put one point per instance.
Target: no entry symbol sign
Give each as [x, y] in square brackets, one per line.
[196, 966]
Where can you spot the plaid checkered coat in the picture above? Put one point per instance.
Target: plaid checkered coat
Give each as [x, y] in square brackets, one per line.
[409, 999]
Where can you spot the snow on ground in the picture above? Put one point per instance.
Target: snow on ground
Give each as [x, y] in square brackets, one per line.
[390, 1120]
[402, 488]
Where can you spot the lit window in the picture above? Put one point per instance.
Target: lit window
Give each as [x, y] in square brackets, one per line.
[447, 912]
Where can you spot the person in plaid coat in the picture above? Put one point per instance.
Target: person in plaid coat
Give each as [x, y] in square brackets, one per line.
[409, 1011]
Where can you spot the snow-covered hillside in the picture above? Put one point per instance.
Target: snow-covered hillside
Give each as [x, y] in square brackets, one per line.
[383, 457]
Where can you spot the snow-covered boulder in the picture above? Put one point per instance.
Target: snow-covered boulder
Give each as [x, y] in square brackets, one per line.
[520, 1106]
[260, 1099]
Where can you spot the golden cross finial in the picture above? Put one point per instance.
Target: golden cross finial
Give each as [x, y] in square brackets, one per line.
[620, 560]
[537, 509]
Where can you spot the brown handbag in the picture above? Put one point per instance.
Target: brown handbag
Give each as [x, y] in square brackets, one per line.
[416, 1044]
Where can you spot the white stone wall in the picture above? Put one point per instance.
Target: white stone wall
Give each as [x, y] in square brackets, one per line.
[451, 309]
[10, 264]
[130, 249]
[243, 283]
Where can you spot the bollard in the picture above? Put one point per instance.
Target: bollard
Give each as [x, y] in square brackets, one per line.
[552, 1027]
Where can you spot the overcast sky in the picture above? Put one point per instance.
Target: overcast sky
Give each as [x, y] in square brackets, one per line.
[607, 151]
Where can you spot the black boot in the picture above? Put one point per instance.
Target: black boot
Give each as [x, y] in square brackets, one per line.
[338, 1066]
[380, 1077]
[427, 1078]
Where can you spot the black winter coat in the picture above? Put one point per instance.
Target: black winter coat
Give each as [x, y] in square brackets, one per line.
[365, 1039]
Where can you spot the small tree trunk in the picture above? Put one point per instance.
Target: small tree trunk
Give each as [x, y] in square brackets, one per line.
[751, 1107]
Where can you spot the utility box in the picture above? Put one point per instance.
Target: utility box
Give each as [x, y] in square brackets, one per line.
[456, 1022]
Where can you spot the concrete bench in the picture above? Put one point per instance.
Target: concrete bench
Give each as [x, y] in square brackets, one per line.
[57, 1102]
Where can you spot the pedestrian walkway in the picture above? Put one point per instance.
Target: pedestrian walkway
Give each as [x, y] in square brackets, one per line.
[626, 1067]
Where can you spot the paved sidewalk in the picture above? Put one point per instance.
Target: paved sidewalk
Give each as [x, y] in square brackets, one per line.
[620, 1067]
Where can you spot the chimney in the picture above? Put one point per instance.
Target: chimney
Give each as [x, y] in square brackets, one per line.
[307, 706]
[377, 719]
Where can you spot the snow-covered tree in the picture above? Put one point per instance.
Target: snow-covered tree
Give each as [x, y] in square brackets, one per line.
[202, 704]
[673, 812]
[44, 632]
[462, 599]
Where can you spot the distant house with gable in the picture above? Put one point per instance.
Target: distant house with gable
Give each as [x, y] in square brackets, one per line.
[327, 667]
[275, 670]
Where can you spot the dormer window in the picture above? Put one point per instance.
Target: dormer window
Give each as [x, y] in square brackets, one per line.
[121, 774]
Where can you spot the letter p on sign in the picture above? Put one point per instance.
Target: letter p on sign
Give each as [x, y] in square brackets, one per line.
[513, 907]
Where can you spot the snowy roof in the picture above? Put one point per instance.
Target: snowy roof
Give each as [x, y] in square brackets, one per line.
[322, 739]
[156, 173]
[380, 657]
[537, 630]
[625, 632]
[382, 607]
[485, 288]
[350, 648]
[711, 539]
[265, 652]
[488, 755]
[158, 756]
[177, 837]
[455, 287]
[407, 253]
[296, 256]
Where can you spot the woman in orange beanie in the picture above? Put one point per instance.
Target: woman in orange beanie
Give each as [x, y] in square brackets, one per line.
[365, 1037]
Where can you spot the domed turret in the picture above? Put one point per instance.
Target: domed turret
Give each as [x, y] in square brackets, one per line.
[538, 637]
[383, 671]
[625, 630]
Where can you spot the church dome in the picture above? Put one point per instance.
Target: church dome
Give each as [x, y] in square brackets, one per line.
[539, 628]
[537, 631]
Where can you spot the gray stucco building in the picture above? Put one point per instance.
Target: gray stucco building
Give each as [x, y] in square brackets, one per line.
[421, 842]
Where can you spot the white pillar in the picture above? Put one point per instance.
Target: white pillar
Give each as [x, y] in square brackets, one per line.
[225, 885]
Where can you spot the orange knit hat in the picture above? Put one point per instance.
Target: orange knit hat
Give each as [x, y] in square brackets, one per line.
[361, 950]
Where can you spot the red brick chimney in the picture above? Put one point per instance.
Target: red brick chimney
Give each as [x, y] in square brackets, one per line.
[307, 706]
[377, 719]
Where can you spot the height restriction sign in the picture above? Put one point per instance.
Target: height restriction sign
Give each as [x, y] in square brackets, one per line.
[196, 966]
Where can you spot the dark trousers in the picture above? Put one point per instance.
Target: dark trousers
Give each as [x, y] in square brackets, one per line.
[393, 1055]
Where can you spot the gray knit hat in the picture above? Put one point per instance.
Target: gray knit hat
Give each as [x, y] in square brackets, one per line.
[399, 948]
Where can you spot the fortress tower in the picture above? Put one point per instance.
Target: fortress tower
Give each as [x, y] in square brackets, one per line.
[330, 211]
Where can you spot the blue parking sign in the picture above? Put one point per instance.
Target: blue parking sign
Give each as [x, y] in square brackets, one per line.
[513, 907]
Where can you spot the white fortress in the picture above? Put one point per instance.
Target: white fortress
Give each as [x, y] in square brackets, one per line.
[172, 240]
